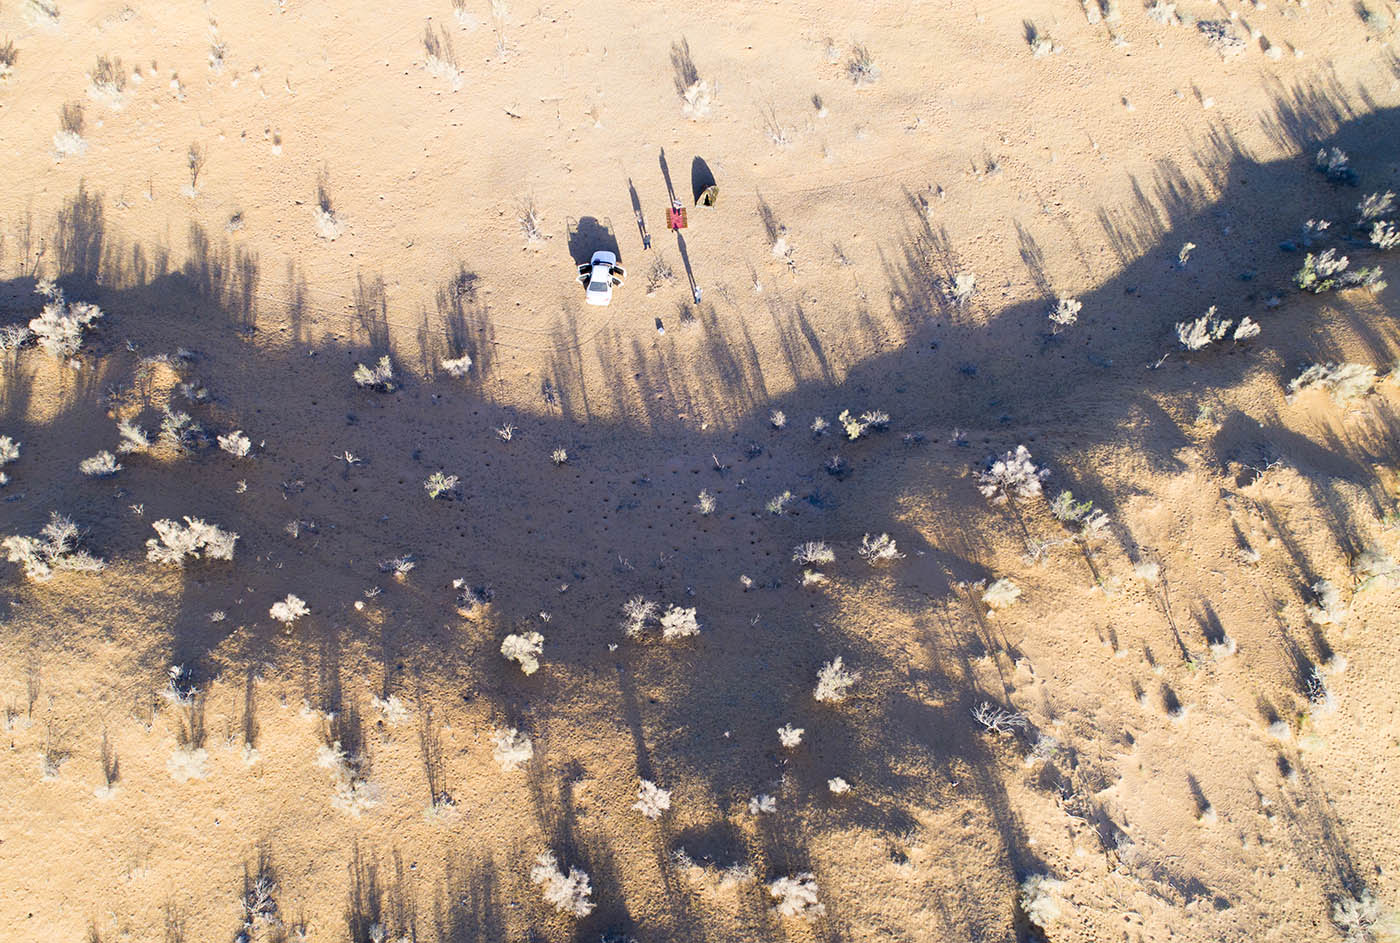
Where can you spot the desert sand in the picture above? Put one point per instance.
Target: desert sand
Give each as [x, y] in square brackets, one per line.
[1169, 714]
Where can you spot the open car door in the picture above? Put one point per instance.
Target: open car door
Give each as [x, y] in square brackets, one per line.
[619, 275]
[583, 272]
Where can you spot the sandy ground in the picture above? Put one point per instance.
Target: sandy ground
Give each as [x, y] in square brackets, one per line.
[1194, 756]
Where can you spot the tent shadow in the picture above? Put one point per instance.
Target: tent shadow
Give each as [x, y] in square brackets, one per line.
[701, 180]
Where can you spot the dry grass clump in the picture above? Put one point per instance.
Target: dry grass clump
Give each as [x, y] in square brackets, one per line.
[439, 59]
[53, 753]
[961, 288]
[834, 682]
[13, 337]
[697, 94]
[660, 272]
[289, 610]
[1327, 606]
[1004, 592]
[261, 921]
[59, 327]
[1321, 700]
[349, 771]
[394, 711]
[705, 504]
[797, 896]
[9, 451]
[1040, 901]
[179, 432]
[472, 600]
[399, 567]
[8, 56]
[652, 800]
[1163, 13]
[998, 720]
[512, 749]
[107, 83]
[1222, 37]
[218, 49]
[1329, 272]
[464, 16]
[329, 224]
[525, 649]
[529, 219]
[570, 894]
[194, 162]
[1041, 44]
[679, 622]
[1345, 381]
[877, 550]
[1375, 205]
[1013, 475]
[813, 553]
[440, 483]
[1362, 919]
[1374, 567]
[235, 443]
[457, 366]
[43, 13]
[54, 550]
[861, 67]
[1080, 514]
[857, 426]
[379, 378]
[699, 98]
[1209, 328]
[500, 13]
[638, 612]
[186, 763]
[762, 804]
[195, 539]
[68, 140]
[133, 437]
[1064, 314]
[1334, 164]
[708, 872]
[189, 760]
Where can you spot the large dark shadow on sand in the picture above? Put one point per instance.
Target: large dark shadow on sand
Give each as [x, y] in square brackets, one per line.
[700, 712]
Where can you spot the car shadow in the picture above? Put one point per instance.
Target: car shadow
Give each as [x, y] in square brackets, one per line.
[589, 235]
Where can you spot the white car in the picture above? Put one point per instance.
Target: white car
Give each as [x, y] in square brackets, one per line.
[599, 277]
